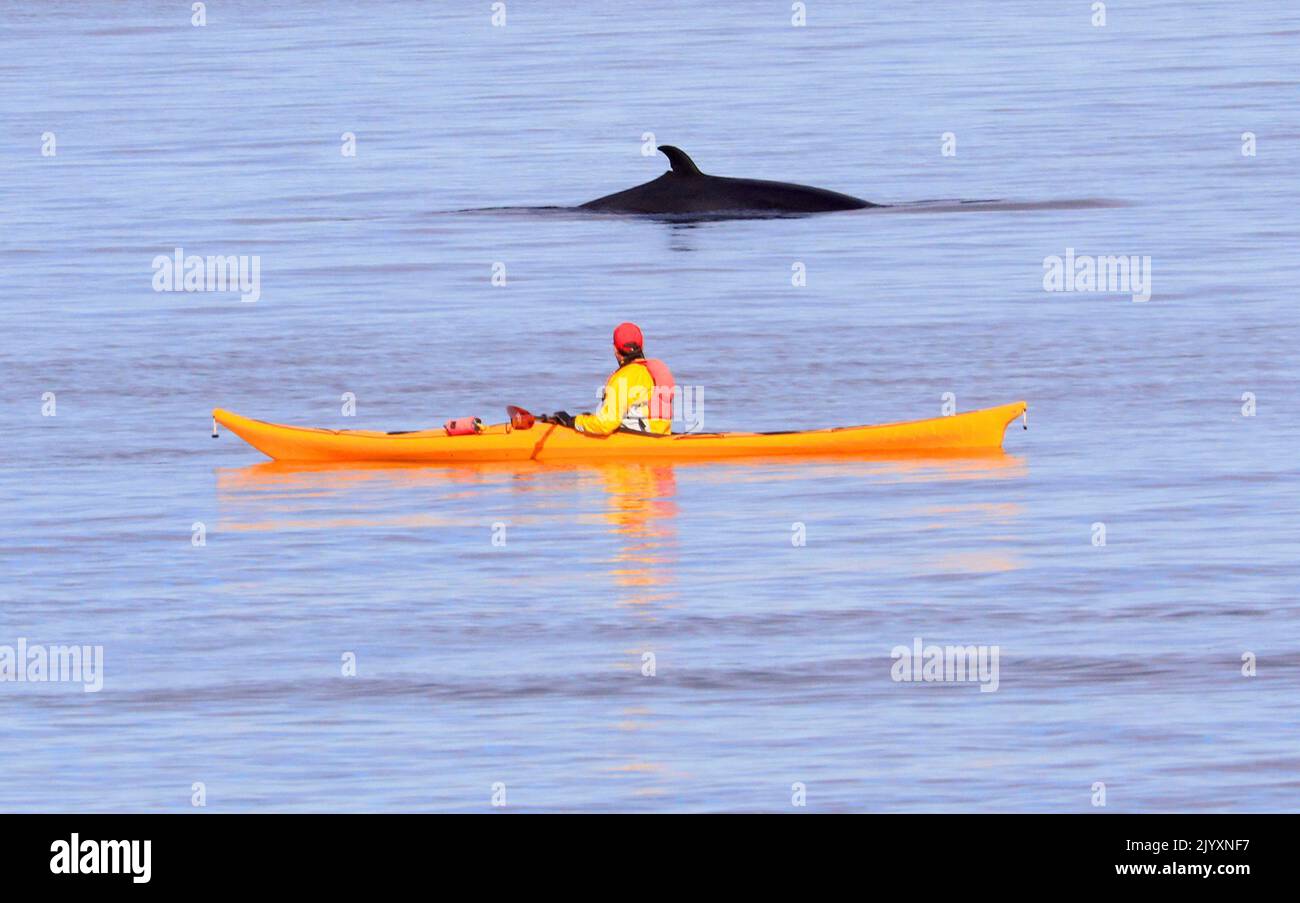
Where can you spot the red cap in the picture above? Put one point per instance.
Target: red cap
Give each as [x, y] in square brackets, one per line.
[627, 337]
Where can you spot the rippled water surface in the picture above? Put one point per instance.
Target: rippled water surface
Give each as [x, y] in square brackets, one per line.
[523, 664]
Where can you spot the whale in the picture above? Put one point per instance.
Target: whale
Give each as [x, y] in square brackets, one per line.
[684, 189]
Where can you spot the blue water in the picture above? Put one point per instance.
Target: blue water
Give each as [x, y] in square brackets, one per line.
[522, 664]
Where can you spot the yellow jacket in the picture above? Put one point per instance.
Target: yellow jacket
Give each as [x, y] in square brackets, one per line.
[625, 402]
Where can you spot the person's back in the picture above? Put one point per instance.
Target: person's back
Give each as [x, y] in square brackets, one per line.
[638, 396]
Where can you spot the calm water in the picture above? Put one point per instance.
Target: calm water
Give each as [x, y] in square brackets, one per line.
[522, 663]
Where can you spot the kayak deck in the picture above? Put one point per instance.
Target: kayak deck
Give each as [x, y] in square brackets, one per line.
[980, 430]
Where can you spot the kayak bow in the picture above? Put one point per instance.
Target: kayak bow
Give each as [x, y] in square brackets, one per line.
[975, 431]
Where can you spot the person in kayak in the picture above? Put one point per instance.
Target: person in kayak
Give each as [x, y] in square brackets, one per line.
[638, 396]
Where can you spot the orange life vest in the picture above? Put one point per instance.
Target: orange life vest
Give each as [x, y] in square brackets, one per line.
[665, 390]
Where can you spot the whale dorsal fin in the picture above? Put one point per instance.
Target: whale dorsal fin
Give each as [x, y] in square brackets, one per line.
[682, 164]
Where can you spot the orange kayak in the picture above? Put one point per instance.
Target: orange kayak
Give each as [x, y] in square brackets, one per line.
[976, 431]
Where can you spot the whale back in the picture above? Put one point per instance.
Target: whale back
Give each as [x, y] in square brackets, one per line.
[687, 190]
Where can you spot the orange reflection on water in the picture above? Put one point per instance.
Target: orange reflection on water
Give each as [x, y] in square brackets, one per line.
[639, 506]
[641, 509]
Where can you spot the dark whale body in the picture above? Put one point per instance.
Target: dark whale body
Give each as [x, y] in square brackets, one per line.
[687, 190]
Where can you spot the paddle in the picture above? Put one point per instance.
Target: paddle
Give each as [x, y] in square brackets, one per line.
[522, 420]
[519, 418]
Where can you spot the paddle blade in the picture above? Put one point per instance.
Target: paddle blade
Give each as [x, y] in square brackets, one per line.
[519, 418]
